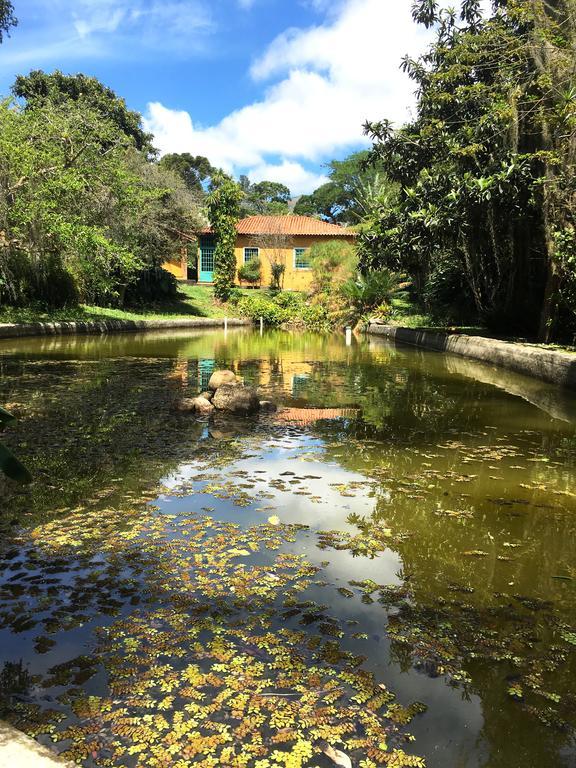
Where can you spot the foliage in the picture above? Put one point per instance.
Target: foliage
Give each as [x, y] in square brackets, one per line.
[7, 18]
[82, 212]
[342, 200]
[223, 206]
[375, 293]
[39, 89]
[9, 464]
[264, 197]
[196, 172]
[486, 170]
[333, 262]
[286, 308]
[277, 270]
[251, 272]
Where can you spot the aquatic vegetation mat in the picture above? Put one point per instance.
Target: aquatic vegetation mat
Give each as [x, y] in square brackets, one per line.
[207, 672]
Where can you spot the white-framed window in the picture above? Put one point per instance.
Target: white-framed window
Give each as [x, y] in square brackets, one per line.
[250, 253]
[301, 258]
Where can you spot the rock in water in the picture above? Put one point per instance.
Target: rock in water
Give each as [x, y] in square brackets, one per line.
[236, 398]
[196, 405]
[219, 378]
[267, 406]
[207, 395]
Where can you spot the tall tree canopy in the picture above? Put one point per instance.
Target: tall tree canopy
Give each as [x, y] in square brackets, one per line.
[7, 18]
[39, 89]
[194, 171]
[84, 216]
[264, 197]
[339, 200]
[486, 170]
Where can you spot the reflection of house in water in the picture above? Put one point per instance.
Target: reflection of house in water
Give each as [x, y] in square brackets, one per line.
[310, 415]
[205, 371]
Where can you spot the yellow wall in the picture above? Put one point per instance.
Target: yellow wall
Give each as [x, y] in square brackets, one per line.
[178, 267]
[294, 279]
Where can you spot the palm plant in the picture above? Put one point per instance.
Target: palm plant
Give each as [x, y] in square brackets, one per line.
[375, 294]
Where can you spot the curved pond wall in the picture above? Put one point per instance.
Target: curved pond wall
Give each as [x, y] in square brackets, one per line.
[548, 365]
[16, 330]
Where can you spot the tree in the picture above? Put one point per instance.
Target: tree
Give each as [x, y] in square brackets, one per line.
[83, 214]
[195, 171]
[338, 200]
[39, 89]
[486, 170]
[7, 18]
[265, 197]
[223, 206]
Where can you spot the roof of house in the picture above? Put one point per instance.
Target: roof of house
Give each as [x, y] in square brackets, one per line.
[289, 225]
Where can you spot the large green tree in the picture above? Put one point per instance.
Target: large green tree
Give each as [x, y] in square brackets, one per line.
[486, 170]
[83, 214]
[195, 171]
[264, 197]
[340, 199]
[39, 89]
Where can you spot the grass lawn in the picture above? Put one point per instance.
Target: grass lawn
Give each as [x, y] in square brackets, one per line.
[192, 301]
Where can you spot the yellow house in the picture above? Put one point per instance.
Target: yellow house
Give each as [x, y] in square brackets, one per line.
[271, 239]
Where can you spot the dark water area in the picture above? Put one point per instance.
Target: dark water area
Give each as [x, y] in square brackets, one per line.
[387, 565]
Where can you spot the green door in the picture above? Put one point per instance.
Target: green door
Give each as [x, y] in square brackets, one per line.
[206, 272]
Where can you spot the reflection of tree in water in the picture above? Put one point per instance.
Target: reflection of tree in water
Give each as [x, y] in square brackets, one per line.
[497, 614]
[93, 433]
[15, 681]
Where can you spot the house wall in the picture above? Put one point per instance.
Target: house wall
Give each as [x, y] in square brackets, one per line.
[283, 251]
[271, 249]
[178, 266]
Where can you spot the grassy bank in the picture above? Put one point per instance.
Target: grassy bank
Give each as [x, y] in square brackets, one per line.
[191, 301]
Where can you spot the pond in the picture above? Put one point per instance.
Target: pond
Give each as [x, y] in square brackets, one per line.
[385, 567]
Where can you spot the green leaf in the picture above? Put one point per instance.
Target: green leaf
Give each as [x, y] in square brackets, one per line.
[5, 416]
[12, 468]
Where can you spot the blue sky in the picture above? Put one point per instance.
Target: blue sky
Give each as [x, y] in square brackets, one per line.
[271, 88]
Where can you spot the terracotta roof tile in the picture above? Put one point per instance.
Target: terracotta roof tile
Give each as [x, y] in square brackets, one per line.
[288, 225]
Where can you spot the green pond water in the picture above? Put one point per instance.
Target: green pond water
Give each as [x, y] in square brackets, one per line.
[386, 567]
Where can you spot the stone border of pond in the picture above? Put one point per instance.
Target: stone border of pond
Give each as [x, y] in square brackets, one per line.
[21, 751]
[20, 330]
[551, 366]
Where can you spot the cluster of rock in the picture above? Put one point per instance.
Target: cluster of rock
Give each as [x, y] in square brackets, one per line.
[226, 393]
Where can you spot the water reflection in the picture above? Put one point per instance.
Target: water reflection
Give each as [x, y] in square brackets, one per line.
[470, 469]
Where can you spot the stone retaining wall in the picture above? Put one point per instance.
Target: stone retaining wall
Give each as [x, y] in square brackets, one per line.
[554, 367]
[19, 330]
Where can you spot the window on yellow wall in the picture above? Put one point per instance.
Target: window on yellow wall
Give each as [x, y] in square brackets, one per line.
[250, 253]
[301, 258]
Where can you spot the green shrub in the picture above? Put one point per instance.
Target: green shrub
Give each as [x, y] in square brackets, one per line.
[251, 272]
[153, 284]
[277, 269]
[258, 306]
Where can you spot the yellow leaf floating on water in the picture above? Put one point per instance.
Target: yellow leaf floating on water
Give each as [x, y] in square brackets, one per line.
[274, 520]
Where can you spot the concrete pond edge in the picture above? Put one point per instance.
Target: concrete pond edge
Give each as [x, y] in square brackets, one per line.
[21, 330]
[551, 366]
[20, 751]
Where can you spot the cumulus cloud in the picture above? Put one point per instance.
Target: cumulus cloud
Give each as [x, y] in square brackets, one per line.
[320, 85]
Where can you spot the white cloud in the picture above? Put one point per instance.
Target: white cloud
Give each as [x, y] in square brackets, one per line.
[330, 79]
[292, 174]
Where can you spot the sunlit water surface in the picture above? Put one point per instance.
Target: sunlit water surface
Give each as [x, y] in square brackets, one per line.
[466, 602]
